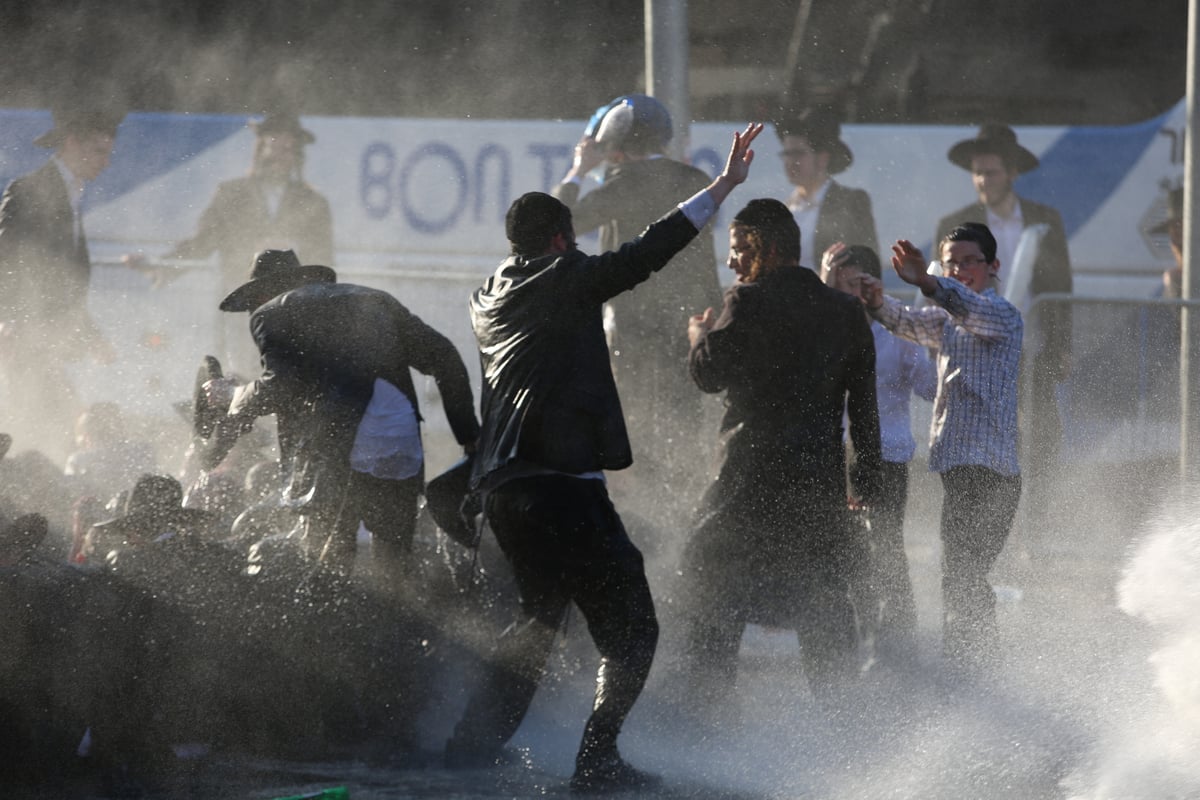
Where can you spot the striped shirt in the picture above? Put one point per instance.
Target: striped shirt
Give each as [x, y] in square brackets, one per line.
[978, 339]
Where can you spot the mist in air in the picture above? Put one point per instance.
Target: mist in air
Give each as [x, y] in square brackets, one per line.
[1096, 698]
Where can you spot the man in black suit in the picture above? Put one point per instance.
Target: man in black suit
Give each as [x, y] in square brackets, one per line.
[552, 424]
[995, 160]
[649, 357]
[825, 210]
[336, 373]
[45, 271]
[774, 544]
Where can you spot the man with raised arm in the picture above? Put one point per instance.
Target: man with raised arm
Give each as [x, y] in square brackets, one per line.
[552, 424]
[977, 334]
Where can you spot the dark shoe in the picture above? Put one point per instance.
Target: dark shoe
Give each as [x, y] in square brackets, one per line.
[610, 774]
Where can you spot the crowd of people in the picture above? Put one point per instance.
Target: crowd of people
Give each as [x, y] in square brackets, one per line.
[283, 591]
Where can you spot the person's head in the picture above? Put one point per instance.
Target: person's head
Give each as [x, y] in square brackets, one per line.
[763, 237]
[631, 126]
[968, 255]
[279, 146]
[846, 277]
[994, 159]
[273, 273]
[83, 140]
[812, 148]
[538, 224]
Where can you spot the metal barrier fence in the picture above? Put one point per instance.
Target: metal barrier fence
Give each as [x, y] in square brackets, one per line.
[1121, 399]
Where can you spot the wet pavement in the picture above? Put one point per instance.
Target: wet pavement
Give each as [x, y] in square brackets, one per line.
[1075, 668]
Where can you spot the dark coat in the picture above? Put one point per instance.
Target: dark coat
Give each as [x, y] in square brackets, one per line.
[548, 392]
[237, 224]
[845, 216]
[1051, 273]
[44, 269]
[792, 356]
[322, 347]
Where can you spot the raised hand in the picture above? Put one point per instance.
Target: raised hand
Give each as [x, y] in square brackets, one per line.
[588, 156]
[737, 166]
[909, 263]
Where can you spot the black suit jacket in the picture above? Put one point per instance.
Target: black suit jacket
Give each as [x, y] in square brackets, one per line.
[845, 216]
[322, 346]
[791, 355]
[44, 268]
[548, 392]
[1051, 273]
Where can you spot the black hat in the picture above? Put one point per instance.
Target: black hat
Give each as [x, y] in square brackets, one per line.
[1174, 210]
[156, 501]
[282, 122]
[823, 130]
[67, 122]
[993, 139]
[275, 271]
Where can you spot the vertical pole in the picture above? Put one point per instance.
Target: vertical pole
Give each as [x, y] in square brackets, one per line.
[1188, 366]
[667, 66]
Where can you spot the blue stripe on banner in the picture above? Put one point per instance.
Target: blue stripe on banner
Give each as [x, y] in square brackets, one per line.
[20, 154]
[1085, 166]
[152, 144]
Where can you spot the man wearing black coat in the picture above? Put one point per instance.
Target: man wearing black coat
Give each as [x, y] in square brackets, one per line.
[774, 545]
[552, 423]
[45, 272]
[336, 373]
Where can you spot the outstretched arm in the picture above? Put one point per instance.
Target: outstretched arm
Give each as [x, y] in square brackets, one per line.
[910, 265]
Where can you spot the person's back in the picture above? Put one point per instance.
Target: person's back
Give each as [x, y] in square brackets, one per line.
[545, 361]
[795, 378]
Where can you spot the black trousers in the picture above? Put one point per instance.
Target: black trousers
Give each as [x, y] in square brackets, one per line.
[891, 621]
[387, 508]
[977, 513]
[566, 544]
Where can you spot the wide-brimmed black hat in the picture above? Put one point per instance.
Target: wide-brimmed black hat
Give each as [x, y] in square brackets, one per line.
[154, 505]
[67, 122]
[823, 130]
[282, 122]
[276, 272]
[993, 139]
